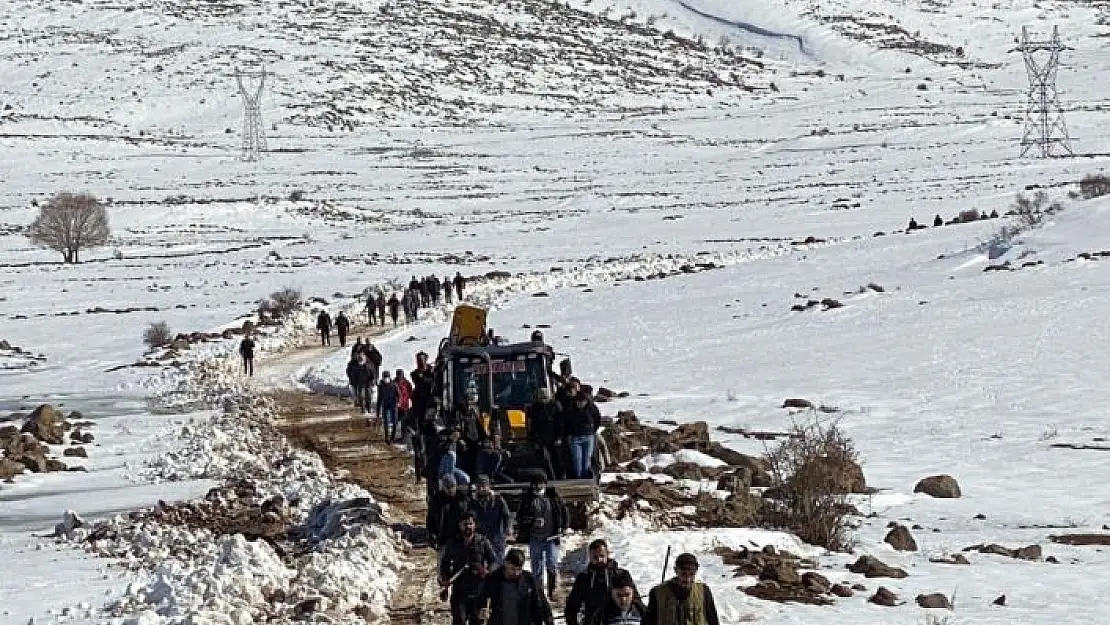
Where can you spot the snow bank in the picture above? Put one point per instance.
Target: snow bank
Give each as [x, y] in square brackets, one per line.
[683, 455]
[193, 575]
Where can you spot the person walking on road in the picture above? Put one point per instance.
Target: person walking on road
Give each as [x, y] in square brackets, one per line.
[510, 596]
[682, 600]
[394, 308]
[466, 562]
[358, 376]
[323, 324]
[460, 284]
[624, 606]
[246, 352]
[342, 327]
[591, 590]
[447, 291]
[387, 407]
[542, 517]
[493, 516]
[371, 310]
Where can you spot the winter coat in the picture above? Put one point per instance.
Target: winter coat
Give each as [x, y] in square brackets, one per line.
[444, 512]
[342, 324]
[474, 559]
[583, 421]
[323, 322]
[387, 396]
[246, 348]
[358, 374]
[372, 354]
[404, 394]
[590, 592]
[670, 604]
[493, 516]
[526, 515]
[545, 423]
[532, 606]
[394, 304]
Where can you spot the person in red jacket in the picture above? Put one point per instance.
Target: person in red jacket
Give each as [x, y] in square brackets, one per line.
[404, 401]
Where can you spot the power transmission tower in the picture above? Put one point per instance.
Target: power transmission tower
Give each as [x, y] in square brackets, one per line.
[254, 135]
[1044, 117]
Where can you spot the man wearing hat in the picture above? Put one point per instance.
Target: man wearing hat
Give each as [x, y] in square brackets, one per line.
[447, 506]
[493, 516]
[682, 600]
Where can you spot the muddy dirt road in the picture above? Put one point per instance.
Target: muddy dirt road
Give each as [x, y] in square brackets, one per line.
[345, 440]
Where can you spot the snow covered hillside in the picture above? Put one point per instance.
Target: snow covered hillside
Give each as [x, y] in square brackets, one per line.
[584, 148]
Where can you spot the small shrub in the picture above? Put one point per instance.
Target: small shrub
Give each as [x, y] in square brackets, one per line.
[157, 334]
[281, 303]
[811, 500]
[1094, 185]
[297, 195]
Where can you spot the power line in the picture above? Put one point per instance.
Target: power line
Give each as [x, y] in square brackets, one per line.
[254, 135]
[1044, 117]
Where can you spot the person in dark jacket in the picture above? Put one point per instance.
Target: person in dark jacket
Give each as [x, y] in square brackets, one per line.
[460, 284]
[541, 520]
[323, 324]
[582, 421]
[447, 289]
[492, 460]
[545, 426]
[356, 349]
[591, 589]
[682, 600]
[371, 310]
[386, 408]
[381, 308]
[467, 560]
[493, 516]
[342, 327]
[246, 352]
[423, 385]
[510, 596]
[394, 307]
[444, 511]
[624, 606]
[358, 375]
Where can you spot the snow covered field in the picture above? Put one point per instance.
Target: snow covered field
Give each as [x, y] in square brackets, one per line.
[531, 136]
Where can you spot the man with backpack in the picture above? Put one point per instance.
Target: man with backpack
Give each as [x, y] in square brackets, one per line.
[682, 600]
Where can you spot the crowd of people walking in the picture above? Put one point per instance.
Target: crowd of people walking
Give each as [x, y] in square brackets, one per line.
[468, 523]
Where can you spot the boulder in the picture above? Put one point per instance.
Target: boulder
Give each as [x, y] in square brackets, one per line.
[75, 452]
[53, 464]
[816, 582]
[1032, 552]
[9, 469]
[934, 600]
[7, 434]
[956, 558]
[781, 571]
[884, 597]
[87, 438]
[870, 566]
[900, 538]
[841, 590]
[690, 435]
[35, 462]
[46, 424]
[939, 486]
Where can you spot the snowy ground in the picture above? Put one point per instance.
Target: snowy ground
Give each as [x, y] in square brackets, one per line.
[598, 147]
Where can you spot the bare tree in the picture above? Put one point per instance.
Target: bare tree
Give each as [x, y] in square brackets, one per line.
[69, 222]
